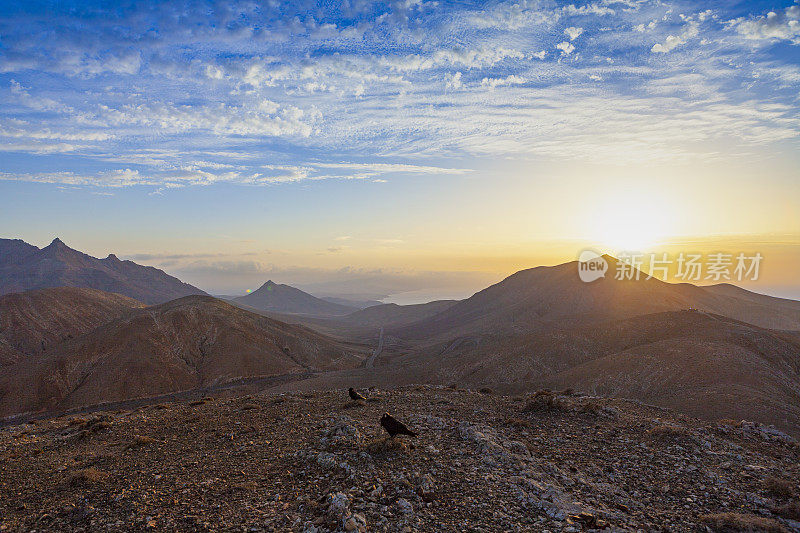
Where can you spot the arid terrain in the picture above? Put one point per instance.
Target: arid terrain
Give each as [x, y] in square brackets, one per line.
[317, 462]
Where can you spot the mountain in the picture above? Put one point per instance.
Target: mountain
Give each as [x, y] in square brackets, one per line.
[192, 342]
[25, 267]
[394, 315]
[543, 298]
[35, 321]
[705, 365]
[277, 298]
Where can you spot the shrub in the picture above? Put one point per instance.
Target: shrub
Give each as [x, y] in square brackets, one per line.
[541, 400]
[779, 487]
[736, 522]
[789, 510]
[88, 476]
[485, 390]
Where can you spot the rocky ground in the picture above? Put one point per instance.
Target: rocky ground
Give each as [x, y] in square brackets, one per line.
[311, 462]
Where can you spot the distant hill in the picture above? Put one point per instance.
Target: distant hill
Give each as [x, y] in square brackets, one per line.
[347, 302]
[25, 267]
[543, 298]
[36, 321]
[278, 298]
[394, 315]
[191, 342]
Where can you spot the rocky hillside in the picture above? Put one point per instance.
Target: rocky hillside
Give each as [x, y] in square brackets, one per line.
[317, 462]
[192, 342]
[24, 267]
[36, 321]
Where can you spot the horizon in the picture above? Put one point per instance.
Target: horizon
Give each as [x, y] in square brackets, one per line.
[402, 150]
[407, 296]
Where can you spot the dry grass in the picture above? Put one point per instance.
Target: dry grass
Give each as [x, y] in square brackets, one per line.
[387, 446]
[88, 476]
[735, 522]
[519, 423]
[542, 400]
[195, 403]
[139, 441]
[776, 486]
[789, 510]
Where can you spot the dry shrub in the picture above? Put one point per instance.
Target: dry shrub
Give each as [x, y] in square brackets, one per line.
[567, 392]
[789, 510]
[77, 422]
[244, 486]
[782, 488]
[195, 403]
[278, 400]
[486, 390]
[248, 407]
[386, 446]
[519, 423]
[542, 400]
[141, 440]
[88, 476]
[736, 522]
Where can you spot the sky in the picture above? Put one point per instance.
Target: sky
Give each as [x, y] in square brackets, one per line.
[406, 147]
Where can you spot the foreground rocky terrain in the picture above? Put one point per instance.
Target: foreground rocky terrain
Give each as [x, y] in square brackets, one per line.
[317, 461]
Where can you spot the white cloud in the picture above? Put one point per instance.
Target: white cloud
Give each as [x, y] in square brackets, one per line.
[566, 48]
[783, 25]
[573, 33]
[491, 83]
[453, 81]
[691, 30]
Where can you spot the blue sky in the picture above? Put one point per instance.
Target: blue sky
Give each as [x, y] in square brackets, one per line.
[307, 139]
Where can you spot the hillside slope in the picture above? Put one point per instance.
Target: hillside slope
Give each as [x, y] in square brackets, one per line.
[554, 297]
[24, 267]
[36, 321]
[318, 462]
[187, 343]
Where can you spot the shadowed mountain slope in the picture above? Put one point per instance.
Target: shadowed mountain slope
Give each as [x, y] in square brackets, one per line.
[186, 343]
[36, 321]
[547, 297]
[24, 267]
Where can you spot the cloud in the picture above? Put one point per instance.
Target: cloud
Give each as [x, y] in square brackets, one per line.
[691, 30]
[780, 25]
[573, 32]
[566, 48]
[453, 81]
[492, 83]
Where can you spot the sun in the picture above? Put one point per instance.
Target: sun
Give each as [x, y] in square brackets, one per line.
[631, 221]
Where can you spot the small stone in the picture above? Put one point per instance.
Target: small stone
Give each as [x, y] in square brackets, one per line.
[405, 506]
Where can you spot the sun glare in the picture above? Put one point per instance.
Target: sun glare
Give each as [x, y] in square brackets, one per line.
[632, 222]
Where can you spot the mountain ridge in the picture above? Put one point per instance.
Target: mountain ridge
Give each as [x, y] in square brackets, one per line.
[25, 267]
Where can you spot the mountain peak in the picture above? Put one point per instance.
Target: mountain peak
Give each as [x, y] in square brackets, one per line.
[57, 243]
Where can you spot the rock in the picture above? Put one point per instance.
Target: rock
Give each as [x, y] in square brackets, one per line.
[405, 507]
[355, 522]
[338, 504]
